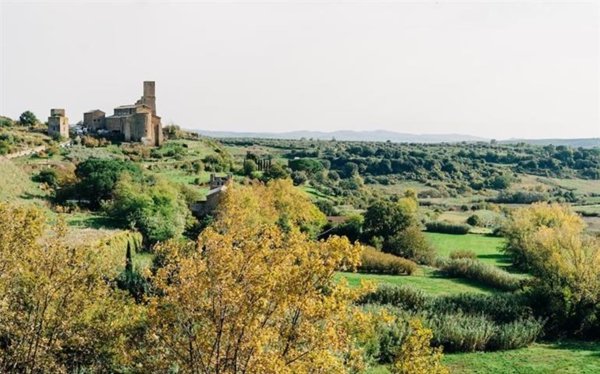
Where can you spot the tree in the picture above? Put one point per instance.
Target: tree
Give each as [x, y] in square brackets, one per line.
[58, 313]
[154, 207]
[308, 165]
[250, 167]
[474, 220]
[527, 221]
[276, 171]
[253, 296]
[416, 355]
[350, 169]
[98, 176]
[299, 177]
[385, 218]
[27, 118]
[500, 182]
[410, 243]
[549, 240]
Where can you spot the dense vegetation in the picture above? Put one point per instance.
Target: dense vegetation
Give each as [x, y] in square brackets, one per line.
[264, 274]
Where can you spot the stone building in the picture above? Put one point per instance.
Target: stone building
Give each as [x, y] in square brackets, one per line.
[136, 123]
[218, 185]
[58, 123]
[94, 120]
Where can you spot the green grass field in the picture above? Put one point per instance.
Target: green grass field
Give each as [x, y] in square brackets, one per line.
[17, 186]
[568, 357]
[428, 280]
[425, 279]
[487, 248]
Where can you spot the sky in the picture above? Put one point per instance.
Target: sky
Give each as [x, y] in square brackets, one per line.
[502, 69]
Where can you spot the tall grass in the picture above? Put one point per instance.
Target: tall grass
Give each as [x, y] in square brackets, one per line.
[447, 227]
[486, 274]
[460, 323]
[375, 261]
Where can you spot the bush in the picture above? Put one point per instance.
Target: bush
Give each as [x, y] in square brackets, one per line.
[98, 177]
[403, 297]
[411, 243]
[463, 253]
[416, 355]
[500, 307]
[374, 261]
[461, 323]
[520, 197]
[516, 334]
[488, 275]
[474, 220]
[447, 227]
[460, 332]
[48, 176]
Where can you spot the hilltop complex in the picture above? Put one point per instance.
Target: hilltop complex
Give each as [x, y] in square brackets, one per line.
[136, 123]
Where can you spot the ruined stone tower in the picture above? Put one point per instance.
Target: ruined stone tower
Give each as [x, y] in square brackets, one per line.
[58, 123]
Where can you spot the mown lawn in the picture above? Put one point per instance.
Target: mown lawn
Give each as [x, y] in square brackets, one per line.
[487, 248]
[425, 279]
[566, 357]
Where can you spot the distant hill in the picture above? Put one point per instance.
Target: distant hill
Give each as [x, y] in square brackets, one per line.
[583, 142]
[396, 137]
[373, 136]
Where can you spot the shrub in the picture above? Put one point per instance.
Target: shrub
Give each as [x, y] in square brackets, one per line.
[411, 243]
[478, 271]
[520, 197]
[500, 307]
[460, 332]
[416, 355]
[461, 323]
[516, 334]
[447, 227]
[463, 253]
[403, 297]
[474, 220]
[374, 261]
[48, 176]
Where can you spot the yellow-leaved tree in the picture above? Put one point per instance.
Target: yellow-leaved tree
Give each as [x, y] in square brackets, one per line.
[58, 312]
[565, 261]
[416, 354]
[255, 294]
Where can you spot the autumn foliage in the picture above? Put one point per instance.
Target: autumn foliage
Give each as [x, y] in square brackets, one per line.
[255, 294]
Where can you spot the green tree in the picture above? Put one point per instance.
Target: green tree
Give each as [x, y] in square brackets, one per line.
[250, 167]
[276, 171]
[98, 176]
[385, 218]
[27, 118]
[154, 207]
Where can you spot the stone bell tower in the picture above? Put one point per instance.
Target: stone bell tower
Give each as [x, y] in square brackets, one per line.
[149, 97]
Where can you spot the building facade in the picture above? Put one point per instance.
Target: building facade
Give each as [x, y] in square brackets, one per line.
[134, 123]
[58, 123]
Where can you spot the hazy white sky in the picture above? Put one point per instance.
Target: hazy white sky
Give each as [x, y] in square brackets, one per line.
[492, 69]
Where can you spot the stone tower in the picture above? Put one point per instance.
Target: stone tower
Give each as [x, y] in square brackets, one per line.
[149, 97]
[58, 123]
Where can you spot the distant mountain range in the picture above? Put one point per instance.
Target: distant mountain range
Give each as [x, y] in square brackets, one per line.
[396, 137]
[372, 136]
